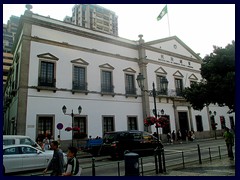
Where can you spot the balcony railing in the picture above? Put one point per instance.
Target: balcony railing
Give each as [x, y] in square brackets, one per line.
[107, 89]
[131, 91]
[79, 86]
[47, 82]
[174, 92]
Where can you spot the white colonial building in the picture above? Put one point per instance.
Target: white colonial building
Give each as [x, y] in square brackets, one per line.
[57, 64]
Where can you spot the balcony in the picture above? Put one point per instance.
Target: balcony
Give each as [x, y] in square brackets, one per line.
[107, 90]
[79, 87]
[131, 92]
[46, 84]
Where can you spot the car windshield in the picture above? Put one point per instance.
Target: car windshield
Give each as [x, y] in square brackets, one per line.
[109, 137]
[122, 136]
[8, 141]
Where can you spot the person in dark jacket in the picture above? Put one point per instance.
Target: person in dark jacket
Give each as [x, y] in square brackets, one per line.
[229, 139]
[57, 162]
[72, 168]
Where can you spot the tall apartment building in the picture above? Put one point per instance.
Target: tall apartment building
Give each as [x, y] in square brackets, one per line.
[94, 17]
[9, 32]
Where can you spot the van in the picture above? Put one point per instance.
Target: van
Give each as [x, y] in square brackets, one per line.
[117, 143]
[19, 139]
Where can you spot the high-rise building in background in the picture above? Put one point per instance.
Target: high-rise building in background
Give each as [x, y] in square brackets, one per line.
[9, 32]
[94, 17]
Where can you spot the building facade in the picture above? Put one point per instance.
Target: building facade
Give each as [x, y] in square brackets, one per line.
[94, 17]
[9, 32]
[58, 64]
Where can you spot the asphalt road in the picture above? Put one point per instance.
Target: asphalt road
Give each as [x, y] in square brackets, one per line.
[175, 155]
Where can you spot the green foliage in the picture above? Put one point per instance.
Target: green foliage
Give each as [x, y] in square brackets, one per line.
[218, 85]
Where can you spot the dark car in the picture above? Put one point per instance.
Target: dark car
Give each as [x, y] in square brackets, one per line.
[117, 143]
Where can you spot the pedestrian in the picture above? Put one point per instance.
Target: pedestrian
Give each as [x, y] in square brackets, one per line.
[51, 139]
[40, 143]
[57, 163]
[46, 143]
[173, 135]
[169, 137]
[229, 139]
[179, 136]
[72, 168]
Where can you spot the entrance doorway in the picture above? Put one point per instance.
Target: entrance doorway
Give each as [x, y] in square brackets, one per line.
[183, 123]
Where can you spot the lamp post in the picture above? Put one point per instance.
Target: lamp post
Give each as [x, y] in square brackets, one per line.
[64, 109]
[212, 116]
[162, 112]
[154, 93]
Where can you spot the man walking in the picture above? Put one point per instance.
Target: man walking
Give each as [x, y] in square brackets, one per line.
[229, 139]
[57, 163]
[72, 168]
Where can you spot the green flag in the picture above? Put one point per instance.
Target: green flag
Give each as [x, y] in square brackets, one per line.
[163, 12]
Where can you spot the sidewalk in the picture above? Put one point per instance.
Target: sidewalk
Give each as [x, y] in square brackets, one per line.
[217, 167]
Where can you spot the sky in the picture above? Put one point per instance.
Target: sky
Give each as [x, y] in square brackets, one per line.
[199, 26]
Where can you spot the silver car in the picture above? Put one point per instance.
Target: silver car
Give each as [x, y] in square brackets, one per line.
[22, 157]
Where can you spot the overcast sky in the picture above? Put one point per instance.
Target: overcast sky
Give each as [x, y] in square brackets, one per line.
[199, 26]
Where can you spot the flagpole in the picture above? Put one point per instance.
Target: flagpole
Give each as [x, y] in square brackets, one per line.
[168, 25]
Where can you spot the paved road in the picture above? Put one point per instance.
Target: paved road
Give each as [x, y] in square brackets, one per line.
[104, 166]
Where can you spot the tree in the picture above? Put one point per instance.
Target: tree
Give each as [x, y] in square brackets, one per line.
[218, 83]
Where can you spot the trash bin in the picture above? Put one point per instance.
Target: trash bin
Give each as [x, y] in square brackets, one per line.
[131, 164]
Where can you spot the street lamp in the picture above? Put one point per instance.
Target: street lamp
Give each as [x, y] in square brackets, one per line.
[154, 93]
[212, 117]
[64, 109]
[162, 112]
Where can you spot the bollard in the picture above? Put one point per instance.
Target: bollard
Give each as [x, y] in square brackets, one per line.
[93, 167]
[199, 155]
[160, 160]
[155, 158]
[210, 156]
[219, 152]
[131, 164]
[163, 157]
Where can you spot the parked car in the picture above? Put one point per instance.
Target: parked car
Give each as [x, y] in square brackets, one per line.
[23, 157]
[19, 139]
[93, 146]
[117, 143]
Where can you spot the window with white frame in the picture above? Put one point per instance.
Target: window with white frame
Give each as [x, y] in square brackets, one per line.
[179, 86]
[132, 123]
[161, 85]
[130, 85]
[108, 124]
[106, 82]
[47, 74]
[79, 78]
[45, 127]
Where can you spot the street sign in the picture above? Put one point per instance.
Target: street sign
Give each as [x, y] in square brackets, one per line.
[59, 126]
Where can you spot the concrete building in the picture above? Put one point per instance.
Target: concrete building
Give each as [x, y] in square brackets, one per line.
[94, 17]
[57, 64]
[9, 32]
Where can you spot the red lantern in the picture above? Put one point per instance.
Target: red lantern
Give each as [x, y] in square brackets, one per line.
[76, 129]
[68, 129]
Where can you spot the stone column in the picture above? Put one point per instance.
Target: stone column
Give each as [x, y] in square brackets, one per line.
[190, 117]
[143, 70]
[176, 116]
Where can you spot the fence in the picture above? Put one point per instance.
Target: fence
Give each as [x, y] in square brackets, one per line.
[173, 159]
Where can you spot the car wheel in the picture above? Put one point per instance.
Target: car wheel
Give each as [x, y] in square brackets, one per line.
[3, 170]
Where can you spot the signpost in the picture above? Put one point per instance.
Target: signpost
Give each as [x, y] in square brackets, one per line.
[59, 127]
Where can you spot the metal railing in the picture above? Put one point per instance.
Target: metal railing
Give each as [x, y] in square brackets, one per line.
[173, 158]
